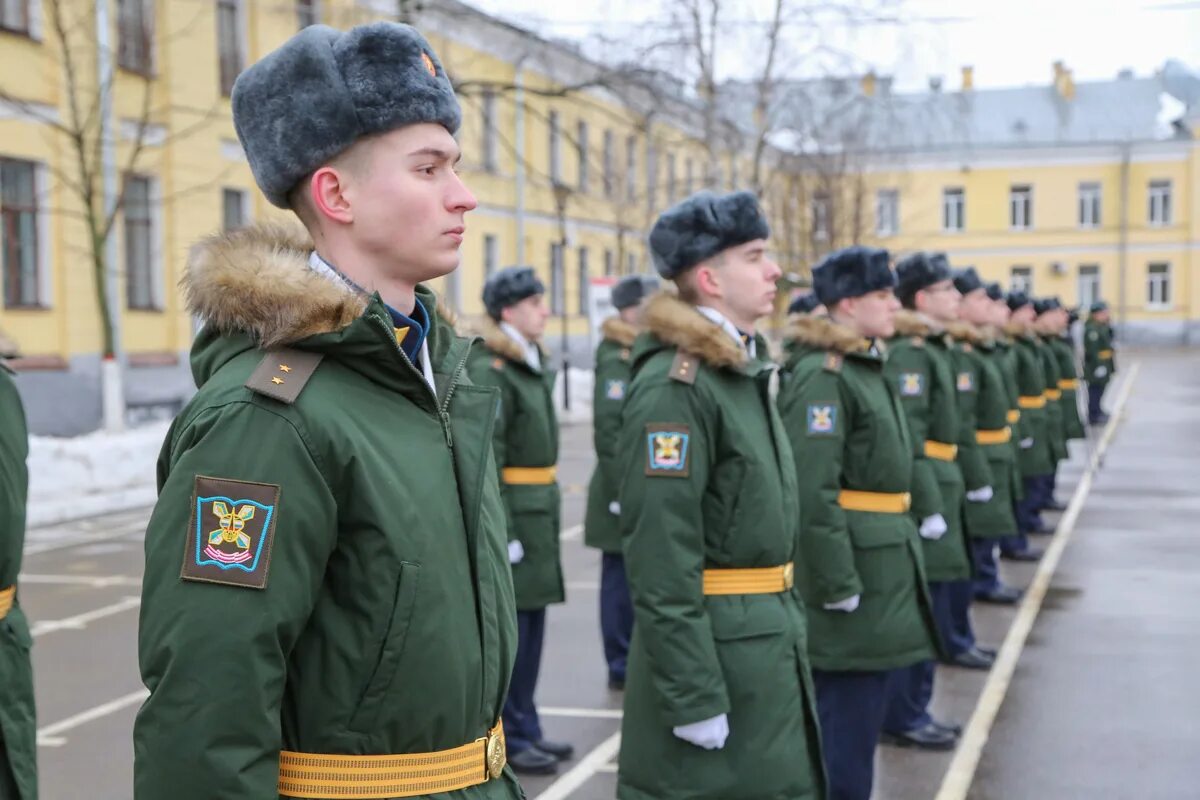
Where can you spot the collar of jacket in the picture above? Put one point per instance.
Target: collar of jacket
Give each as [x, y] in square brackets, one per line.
[820, 332]
[962, 331]
[676, 323]
[618, 330]
[503, 345]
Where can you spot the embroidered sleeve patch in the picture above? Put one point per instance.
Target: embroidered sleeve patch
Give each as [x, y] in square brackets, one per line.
[231, 532]
[614, 390]
[965, 382]
[822, 419]
[912, 384]
[667, 450]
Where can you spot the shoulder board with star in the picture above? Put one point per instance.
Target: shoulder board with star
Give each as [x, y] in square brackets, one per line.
[685, 367]
[498, 364]
[918, 341]
[833, 362]
[283, 374]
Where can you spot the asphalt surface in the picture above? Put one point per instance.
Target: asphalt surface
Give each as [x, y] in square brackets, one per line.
[1096, 707]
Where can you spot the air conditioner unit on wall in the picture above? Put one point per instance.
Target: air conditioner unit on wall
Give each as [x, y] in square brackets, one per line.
[1058, 267]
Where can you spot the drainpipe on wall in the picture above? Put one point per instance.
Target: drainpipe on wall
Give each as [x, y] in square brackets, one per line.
[112, 391]
[1123, 240]
[519, 103]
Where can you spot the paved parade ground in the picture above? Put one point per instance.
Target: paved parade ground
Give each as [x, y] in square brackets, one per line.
[1095, 697]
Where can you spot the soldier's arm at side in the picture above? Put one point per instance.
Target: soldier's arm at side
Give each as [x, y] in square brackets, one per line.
[926, 496]
[826, 552]
[214, 655]
[971, 459]
[662, 528]
[606, 418]
[489, 372]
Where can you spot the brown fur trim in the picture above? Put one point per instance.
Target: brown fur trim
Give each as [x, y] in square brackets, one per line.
[619, 331]
[677, 323]
[823, 333]
[966, 332]
[257, 280]
[8, 346]
[1016, 329]
[502, 344]
[912, 323]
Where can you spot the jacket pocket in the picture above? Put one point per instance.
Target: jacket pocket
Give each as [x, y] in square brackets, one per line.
[746, 618]
[880, 551]
[371, 706]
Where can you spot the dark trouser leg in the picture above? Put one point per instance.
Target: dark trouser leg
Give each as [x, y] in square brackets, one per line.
[616, 614]
[851, 706]
[1027, 515]
[1095, 395]
[943, 616]
[909, 691]
[987, 573]
[962, 636]
[521, 725]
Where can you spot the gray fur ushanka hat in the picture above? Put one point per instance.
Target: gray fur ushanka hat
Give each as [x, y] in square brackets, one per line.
[325, 89]
[509, 286]
[701, 226]
[852, 272]
[630, 290]
[967, 280]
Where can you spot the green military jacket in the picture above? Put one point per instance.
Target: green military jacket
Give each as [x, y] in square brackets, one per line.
[921, 367]
[375, 613]
[526, 435]
[988, 403]
[1006, 350]
[1099, 361]
[1055, 416]
[1068, 384]
[848, 431]
[708, 482]
[1036, 454]
[18, 723]
[601, 527]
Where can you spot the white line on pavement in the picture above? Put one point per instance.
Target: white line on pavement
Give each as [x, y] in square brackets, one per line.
[572, 532]
[610, 767]
[588, 766]
[584, 586]
[957, 782]
[53, 543]
[80, 621]
[94, 581]
[582, 713]
[51, 735]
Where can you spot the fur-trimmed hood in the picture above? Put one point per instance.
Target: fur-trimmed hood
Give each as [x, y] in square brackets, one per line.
[1019, 329]
[675, 322]
[8, 346]
[619, 331]
[914, 323]
[966, 332]
[501, 343]
[822, 333]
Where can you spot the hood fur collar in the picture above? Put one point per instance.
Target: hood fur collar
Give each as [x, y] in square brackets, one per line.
[502, 344]
[677, 323]
[966, 332]
[822, 333]
[619, 331]
[914, 323]
[1019, 329]
[8, 346]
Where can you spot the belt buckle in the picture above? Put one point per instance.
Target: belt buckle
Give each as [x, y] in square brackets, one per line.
[789, 579]
[495, 752]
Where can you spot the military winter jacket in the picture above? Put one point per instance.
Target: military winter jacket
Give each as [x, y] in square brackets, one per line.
[1068, 384]
[1055, 418]
[921, 367]
[708, 483]
[1099, 360]
[525, 439]
[1036, 454]
[601, 527]
[1006, 351]
[18, 725]
[325, 573]
[848, 432]
[990, 403]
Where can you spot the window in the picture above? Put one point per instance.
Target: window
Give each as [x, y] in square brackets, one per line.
[1160, 202]
[609, 167]
[491, 255]
[631, 168]
[1020, 207]
[308, 12]
[954, 216]
[584, 279]
[610, 263]
[631, 266]
[19, 233]
[555, 149]
[651, 173]
[489, 130]
[135, 35]
[887, 212]
[14, 16]
[139, 244]
[733, 174]
[581, 146]
[234, 210]
[1089, 284]
[1158, 286]
[820, 217]
[689, 178]
[1089, 205]
[230, 51]
[556, 278]
[670, 178]
[1021, 279]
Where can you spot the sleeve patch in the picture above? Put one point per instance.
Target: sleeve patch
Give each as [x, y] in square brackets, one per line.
[231, 532]
[822, 419]
[966, 382]
[667, 450]
[614, 390]
[912, 384]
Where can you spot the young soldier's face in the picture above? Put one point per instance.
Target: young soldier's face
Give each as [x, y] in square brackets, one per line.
[939, 301]
[874, 313]
[528, 316]
[976, 307]
[409, 204]
[1024, 314]
[746, 279]
[1001, 313]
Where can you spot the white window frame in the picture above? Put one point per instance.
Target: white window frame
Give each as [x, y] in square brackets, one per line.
[954, 209]
[156, 277]
[555, 132]
[558, 279]
[242, 42]
[819, 207]
[609, 158]
[491, 254]
[631, 168]
[672, 184]
[1020, 207]
[1159, 200]
[1161, 281]
[490, 137]
[315, 10]
[651, 172]
[610, 262]
[1090, 205]
[581, 148]
[1087, 285]
[45, 287]
[1020, 278]
[631, 263]
[887, 212]
[584, 273]
[151, 45]
[243, 201]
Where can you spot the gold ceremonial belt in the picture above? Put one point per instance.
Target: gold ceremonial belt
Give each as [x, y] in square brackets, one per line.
[313, 775]
[1027, 401]
[1105, 354]
[529, 476]
[940, 450]
[1068, 384]
[755, 580]
[1014, 416]
[6, 600]
[1001, 436]
[1053, 394]
[879, 502]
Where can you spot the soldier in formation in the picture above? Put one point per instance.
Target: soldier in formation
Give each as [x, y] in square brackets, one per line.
[1099, 360]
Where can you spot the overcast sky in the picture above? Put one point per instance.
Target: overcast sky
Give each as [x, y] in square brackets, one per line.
[1009, 42]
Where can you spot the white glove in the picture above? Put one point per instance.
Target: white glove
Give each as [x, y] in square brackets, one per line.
[933, 527]
[515, 552]
[709, 734]
[847, 605]
[981, 495]
[614, 508]
[1100, 372]
[1025, 444]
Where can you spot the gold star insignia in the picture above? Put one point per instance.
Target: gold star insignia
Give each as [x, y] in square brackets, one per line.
[284, 368]
[276, 380]
[401, 333]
